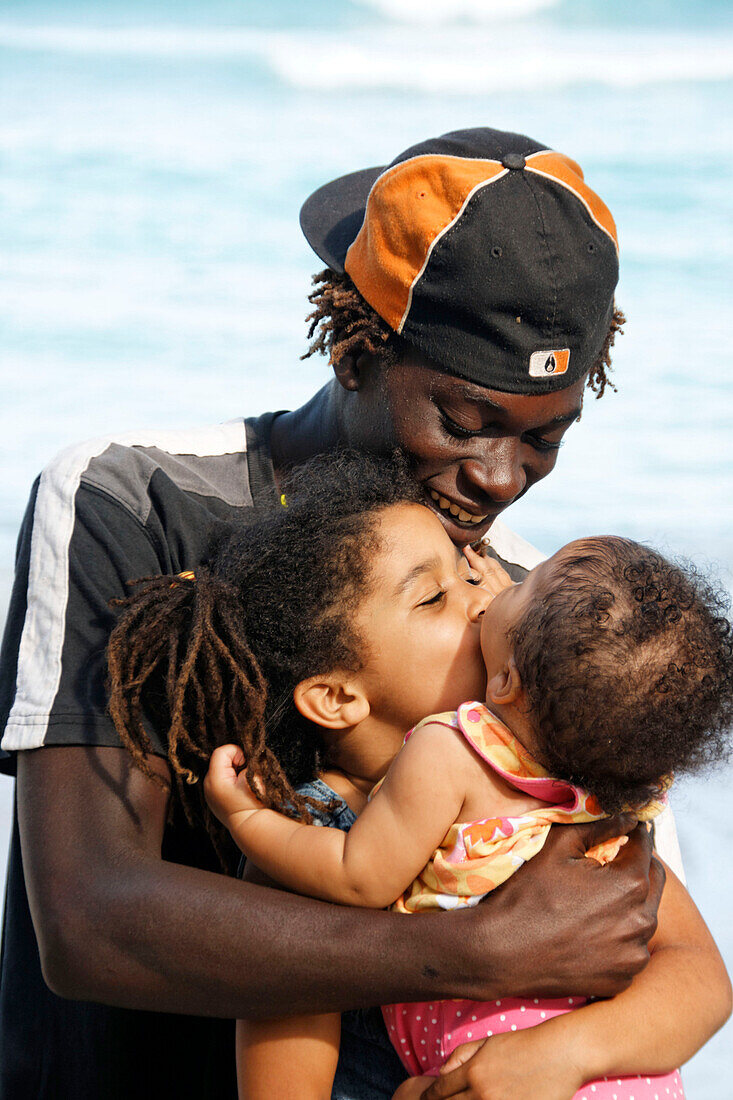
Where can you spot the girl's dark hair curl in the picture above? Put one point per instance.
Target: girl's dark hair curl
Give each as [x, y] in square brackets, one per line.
[343, 323]
[627, 662]
[214, 660]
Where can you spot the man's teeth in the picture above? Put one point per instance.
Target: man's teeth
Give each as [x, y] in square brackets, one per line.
[459, 513]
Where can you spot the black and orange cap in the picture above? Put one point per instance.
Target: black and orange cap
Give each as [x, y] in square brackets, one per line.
[485, 250]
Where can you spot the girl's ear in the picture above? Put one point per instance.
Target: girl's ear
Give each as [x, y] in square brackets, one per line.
[332, 701]
[505, 687]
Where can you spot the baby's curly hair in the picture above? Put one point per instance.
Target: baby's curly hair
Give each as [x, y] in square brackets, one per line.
[627, 662]
[343, 323]
[215, 659]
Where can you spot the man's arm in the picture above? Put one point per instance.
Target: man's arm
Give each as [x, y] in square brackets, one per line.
[117, 923]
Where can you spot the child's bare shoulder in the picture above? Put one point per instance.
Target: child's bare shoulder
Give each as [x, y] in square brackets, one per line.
[439, 737]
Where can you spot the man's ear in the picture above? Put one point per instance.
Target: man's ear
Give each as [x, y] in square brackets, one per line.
[352, 371]
[505, 687]
[333, 702]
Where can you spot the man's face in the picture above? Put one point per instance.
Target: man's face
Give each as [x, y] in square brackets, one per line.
[474, 450]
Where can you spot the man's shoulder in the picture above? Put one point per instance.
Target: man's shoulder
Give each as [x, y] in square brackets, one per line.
[209, 462]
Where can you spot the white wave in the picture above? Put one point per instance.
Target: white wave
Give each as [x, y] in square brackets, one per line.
[460, 60]
[456, 11]
[466, 61]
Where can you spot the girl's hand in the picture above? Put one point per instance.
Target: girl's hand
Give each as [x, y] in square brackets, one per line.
[493, 577]
[535, 1062]
[225, 786]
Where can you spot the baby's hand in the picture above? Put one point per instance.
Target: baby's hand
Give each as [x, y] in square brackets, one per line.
[225, 786]
[493, 577]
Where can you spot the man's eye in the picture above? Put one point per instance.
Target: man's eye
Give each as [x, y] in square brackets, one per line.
[541, 444]
[454, 429]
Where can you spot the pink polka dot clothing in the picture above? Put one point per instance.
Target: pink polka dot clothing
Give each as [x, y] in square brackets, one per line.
[473, 859]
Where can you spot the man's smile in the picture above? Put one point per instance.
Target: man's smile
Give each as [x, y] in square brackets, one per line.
[457, 512]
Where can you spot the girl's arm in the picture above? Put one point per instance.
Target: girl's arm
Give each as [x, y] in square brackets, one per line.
[291, 1057]
[389, 844]
[668, 1012]
[296, 1056]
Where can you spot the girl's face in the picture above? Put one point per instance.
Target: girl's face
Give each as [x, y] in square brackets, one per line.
[421, 622]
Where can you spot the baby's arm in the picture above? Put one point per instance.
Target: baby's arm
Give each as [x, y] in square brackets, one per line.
[670, 1009]
[390, 842]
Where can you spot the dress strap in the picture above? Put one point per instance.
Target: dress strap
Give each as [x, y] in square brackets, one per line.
[496, 744]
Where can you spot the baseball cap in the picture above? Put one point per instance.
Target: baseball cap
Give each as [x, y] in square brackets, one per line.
[485, 250]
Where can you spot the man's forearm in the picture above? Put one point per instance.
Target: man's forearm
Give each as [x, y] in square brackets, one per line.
[177, 939]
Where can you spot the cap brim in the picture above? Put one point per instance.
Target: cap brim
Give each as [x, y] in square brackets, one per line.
[333, 215]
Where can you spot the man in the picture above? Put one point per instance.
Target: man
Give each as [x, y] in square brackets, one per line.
[468, 302]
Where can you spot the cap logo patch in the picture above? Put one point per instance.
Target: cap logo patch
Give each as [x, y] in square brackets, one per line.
[544, 363]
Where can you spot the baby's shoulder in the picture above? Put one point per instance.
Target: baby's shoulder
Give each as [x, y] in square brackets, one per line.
[439, 738]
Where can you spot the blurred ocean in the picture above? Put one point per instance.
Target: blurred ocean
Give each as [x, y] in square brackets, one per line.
[153, 160]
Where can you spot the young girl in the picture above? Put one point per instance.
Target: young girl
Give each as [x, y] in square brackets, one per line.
[356, 615]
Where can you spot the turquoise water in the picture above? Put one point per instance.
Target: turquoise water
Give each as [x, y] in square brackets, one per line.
[154, 157]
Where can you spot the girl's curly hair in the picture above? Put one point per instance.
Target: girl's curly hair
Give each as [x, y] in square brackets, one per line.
[627, 662]
[212, 660]
[343, 323]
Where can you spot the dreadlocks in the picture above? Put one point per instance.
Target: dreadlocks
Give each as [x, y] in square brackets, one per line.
[343, 323]
[214, 659]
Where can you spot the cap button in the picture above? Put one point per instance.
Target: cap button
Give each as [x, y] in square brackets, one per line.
[513, 160]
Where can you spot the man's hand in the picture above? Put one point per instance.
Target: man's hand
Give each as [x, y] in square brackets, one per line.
[571, 925]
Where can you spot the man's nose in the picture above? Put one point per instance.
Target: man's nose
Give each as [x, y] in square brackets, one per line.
[499, 471]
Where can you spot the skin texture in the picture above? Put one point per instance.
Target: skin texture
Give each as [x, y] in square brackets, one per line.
[117, 923]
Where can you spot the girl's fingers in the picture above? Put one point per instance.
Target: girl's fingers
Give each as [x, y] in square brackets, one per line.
[461, 1055]
[475, 560]
[451, 1084]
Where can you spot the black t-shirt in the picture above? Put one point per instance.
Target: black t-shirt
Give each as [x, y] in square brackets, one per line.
[100, 515]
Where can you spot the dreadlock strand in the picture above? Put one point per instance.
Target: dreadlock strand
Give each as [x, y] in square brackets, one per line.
[598, 378]
[343, 323]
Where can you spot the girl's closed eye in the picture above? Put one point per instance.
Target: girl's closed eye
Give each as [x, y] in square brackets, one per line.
[433, 599]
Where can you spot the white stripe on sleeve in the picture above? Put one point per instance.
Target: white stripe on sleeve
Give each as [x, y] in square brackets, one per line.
[42, 639]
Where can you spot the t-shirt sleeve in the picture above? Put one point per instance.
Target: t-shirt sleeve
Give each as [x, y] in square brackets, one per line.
[53, 664]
